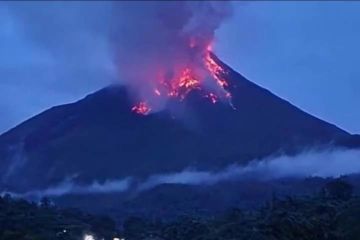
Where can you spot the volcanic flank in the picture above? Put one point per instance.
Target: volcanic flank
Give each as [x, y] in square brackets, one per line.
[100, 138]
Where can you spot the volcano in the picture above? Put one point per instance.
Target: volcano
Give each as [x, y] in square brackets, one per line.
[100, 138]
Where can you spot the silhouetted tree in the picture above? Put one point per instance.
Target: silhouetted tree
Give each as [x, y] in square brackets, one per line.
[337, 189]
[45, 202]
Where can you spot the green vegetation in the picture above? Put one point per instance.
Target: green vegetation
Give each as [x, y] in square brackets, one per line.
[334, 214]
[21, 220]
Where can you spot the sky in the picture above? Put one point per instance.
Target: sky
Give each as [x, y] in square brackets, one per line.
[305, 52]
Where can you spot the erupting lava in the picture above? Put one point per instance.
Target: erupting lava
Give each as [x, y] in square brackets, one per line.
[187, 80]
[141, 108]
[215, 70]
[181, 86]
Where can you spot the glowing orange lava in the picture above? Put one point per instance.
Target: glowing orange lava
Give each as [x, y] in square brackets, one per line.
[215, 70]
[185, 84]
[182, 85]
[186, 81]
[141, 108]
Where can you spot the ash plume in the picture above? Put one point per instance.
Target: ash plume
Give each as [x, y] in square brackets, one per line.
[157, 40]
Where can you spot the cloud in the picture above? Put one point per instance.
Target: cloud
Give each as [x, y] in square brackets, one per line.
[329, 163]
[68, 186]
[325, 163]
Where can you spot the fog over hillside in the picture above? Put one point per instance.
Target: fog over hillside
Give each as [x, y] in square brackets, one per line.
[312, 163]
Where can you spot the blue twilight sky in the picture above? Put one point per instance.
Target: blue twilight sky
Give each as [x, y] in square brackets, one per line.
[306, 52]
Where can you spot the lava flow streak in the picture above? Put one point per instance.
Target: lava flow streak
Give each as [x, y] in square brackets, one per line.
[215, 70]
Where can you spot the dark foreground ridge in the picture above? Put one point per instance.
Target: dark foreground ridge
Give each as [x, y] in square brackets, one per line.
[20, 219]
[331, 214]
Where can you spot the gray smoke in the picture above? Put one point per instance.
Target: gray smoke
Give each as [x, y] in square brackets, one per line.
[154, 37]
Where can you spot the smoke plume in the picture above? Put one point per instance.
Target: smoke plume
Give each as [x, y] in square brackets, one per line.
[156, 41]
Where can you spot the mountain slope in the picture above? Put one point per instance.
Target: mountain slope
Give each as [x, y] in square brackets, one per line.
[99, 137]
